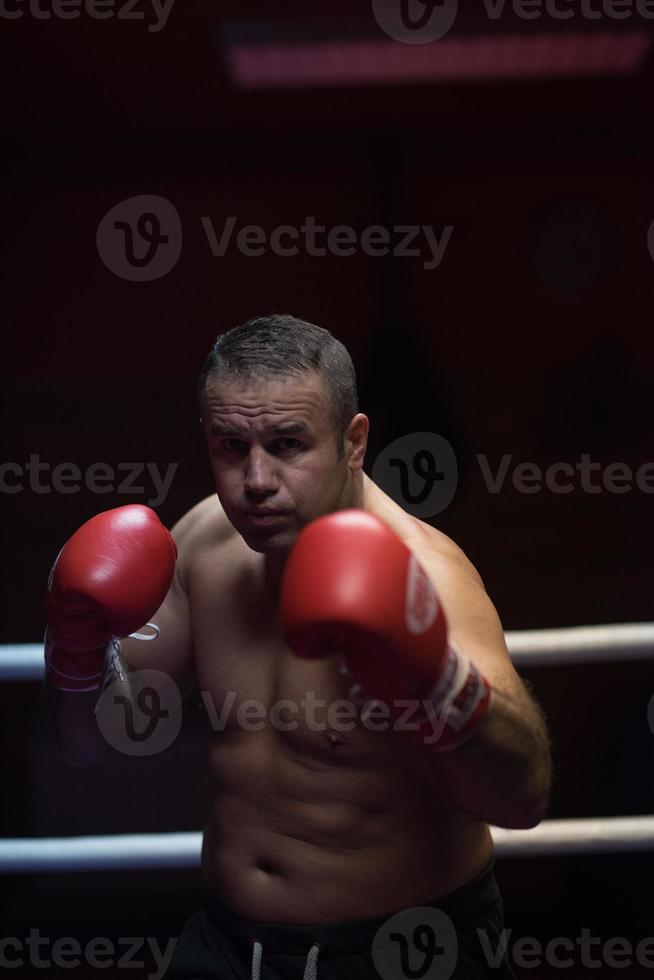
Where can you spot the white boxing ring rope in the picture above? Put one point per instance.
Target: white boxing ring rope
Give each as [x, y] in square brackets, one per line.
[527, 648]
[122, 852]
[581, 644]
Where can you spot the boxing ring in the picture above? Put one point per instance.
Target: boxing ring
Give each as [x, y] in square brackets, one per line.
[528, 648]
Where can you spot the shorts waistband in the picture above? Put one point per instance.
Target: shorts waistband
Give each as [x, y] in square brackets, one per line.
[350, 935]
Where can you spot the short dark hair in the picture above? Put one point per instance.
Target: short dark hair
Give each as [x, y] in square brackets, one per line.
[281, 345]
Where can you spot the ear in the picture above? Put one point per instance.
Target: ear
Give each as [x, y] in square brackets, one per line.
[356, 441]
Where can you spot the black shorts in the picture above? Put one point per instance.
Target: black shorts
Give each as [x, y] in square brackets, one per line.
[458, 936]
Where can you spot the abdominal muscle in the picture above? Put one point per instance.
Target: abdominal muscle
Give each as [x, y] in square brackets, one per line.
[320, 835]
[309, 823]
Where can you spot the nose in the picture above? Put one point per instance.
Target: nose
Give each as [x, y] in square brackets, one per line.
[260, 477]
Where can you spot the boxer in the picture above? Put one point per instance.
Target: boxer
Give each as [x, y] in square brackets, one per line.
[391, 726]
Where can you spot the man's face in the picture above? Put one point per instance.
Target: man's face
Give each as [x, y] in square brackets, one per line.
[274, 456]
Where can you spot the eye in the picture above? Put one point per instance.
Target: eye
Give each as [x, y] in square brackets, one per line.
[288, 445]
[232, 447]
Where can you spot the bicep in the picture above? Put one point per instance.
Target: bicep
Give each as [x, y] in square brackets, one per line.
[474, 627]
[172, 650]
[475, 630]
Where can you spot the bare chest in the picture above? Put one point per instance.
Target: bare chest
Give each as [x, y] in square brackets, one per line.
[251, 682]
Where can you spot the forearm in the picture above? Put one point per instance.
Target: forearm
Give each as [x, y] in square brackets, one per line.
[83, 742]
[502, 773]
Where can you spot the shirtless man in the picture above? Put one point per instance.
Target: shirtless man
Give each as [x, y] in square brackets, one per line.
[321, 827]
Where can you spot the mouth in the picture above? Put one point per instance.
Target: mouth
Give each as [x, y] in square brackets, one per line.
[266, 518]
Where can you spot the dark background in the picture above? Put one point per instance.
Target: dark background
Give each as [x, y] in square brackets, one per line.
[533, 337]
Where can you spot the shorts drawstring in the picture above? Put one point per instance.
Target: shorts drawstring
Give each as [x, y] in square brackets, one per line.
[310, 968]
[311, 965]
[257, 951]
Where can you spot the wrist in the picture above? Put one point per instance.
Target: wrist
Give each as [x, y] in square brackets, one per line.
[75, 672]
[457, 704]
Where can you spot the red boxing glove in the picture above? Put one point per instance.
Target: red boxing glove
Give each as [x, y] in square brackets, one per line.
[351, 585]
[108, 579]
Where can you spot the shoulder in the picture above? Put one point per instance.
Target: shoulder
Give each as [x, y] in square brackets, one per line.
[431, 546]
[473, 623]
[203, 528]
[436, 548]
